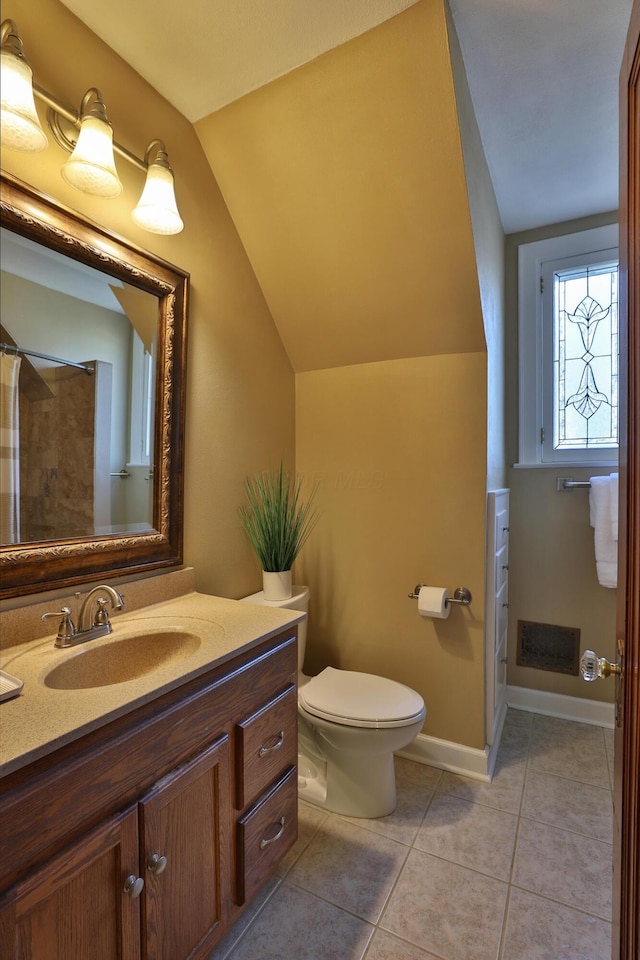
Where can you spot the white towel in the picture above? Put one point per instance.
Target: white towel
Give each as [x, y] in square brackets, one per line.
[606, 548]
[613, 491]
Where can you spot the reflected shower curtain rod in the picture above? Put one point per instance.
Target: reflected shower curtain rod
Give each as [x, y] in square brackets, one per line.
[9, 348]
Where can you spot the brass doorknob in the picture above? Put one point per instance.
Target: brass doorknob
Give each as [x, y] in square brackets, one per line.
[593, 667]
[156, 863]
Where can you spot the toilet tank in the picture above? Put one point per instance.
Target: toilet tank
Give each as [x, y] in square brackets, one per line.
[299, 600]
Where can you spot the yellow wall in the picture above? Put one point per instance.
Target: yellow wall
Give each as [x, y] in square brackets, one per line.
[346, 181]
[488, 237]
[552, 574]
[400, 457]
[235, 356]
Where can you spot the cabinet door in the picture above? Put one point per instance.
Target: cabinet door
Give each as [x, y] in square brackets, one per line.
[76, 907]
[184, 825]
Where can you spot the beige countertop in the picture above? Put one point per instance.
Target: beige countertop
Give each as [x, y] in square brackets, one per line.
[43, 718]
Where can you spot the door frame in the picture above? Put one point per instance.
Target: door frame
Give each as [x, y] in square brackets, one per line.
[626, 853]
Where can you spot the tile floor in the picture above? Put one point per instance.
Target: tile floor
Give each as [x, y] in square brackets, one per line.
[518, 869]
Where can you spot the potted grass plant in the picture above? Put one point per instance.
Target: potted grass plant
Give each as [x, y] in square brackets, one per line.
[277, 521]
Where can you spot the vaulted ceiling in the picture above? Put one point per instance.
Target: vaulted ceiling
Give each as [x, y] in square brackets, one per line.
[543, 77]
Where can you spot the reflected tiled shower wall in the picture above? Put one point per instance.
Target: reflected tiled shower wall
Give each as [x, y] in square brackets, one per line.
[57, 426]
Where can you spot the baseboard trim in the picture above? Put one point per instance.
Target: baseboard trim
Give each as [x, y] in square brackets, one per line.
[479, 764]
[446, 755]
[565, 708]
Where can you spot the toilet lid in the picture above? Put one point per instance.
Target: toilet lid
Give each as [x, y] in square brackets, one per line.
[360, 699]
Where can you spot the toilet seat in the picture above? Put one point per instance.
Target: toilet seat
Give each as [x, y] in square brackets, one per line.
[360, 699]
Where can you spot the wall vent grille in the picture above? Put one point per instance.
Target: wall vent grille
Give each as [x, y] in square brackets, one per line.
[547, 646]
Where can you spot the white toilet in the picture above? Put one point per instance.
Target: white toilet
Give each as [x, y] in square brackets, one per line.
[349, 726]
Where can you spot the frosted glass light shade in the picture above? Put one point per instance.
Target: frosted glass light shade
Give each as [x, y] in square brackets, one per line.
[157, 210]
[91, 167]
[19, 123]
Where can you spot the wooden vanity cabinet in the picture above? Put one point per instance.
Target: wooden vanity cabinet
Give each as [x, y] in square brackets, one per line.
[74, 906]
[184, 847]
[195, 794]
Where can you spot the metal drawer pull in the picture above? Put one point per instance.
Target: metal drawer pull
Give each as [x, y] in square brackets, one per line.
[156, 864]
[265, 843]
[275, 746]
[133, 886]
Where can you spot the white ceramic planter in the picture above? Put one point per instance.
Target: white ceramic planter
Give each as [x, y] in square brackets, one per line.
[276, 585]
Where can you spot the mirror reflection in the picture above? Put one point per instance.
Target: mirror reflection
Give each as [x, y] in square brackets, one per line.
[79, 350]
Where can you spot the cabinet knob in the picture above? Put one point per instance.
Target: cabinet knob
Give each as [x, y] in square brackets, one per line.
[156, 863]
[133, 886]
[274, 746]
[265, 843]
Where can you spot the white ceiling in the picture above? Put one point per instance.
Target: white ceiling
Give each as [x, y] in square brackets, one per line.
[543, 76]
[27, 259]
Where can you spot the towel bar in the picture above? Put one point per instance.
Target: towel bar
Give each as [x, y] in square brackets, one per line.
[567, 484]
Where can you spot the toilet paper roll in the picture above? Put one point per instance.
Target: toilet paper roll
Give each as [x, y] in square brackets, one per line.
[432, 602]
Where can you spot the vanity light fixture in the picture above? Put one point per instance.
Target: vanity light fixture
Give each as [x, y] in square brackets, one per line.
[87, 136]
[92, 166]
[157, 210]
[19, 119]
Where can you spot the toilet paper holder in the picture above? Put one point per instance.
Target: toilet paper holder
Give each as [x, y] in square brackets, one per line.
[460, 595]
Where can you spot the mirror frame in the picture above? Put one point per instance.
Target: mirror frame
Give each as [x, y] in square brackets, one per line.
[45, 565]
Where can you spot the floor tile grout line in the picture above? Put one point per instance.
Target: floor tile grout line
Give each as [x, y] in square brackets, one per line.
[332, 903]
[560, 903]
[237, 942]
[510, 885]
[412, 847]
[575, 833]
[503, 929]
[560, 776]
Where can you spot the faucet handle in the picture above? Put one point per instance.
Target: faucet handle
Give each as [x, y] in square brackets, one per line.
[102, 614]
[66, 628]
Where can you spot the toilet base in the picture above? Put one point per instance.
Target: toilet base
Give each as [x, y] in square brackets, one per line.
[366, 790]
[312, 781]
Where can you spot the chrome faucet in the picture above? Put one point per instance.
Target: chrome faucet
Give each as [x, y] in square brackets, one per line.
[101, 618]
[89, 628]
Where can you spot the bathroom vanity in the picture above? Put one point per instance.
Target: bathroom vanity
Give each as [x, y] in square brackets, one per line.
[139, 818]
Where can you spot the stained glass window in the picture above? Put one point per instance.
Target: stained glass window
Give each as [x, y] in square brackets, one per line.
[568, 348]
[585, 375]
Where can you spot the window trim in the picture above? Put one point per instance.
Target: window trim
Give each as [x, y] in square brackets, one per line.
[531, 345]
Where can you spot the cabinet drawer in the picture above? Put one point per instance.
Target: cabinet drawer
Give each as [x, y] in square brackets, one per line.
[502, 568]
[265, 834]
[267, 745]
[502, 527]
[501, 615]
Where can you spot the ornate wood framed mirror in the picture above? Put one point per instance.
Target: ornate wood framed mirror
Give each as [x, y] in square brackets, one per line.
[104, 538]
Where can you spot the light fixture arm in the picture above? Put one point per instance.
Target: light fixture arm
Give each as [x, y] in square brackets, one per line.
[161, 157]
[57, 109]
[10, 39]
